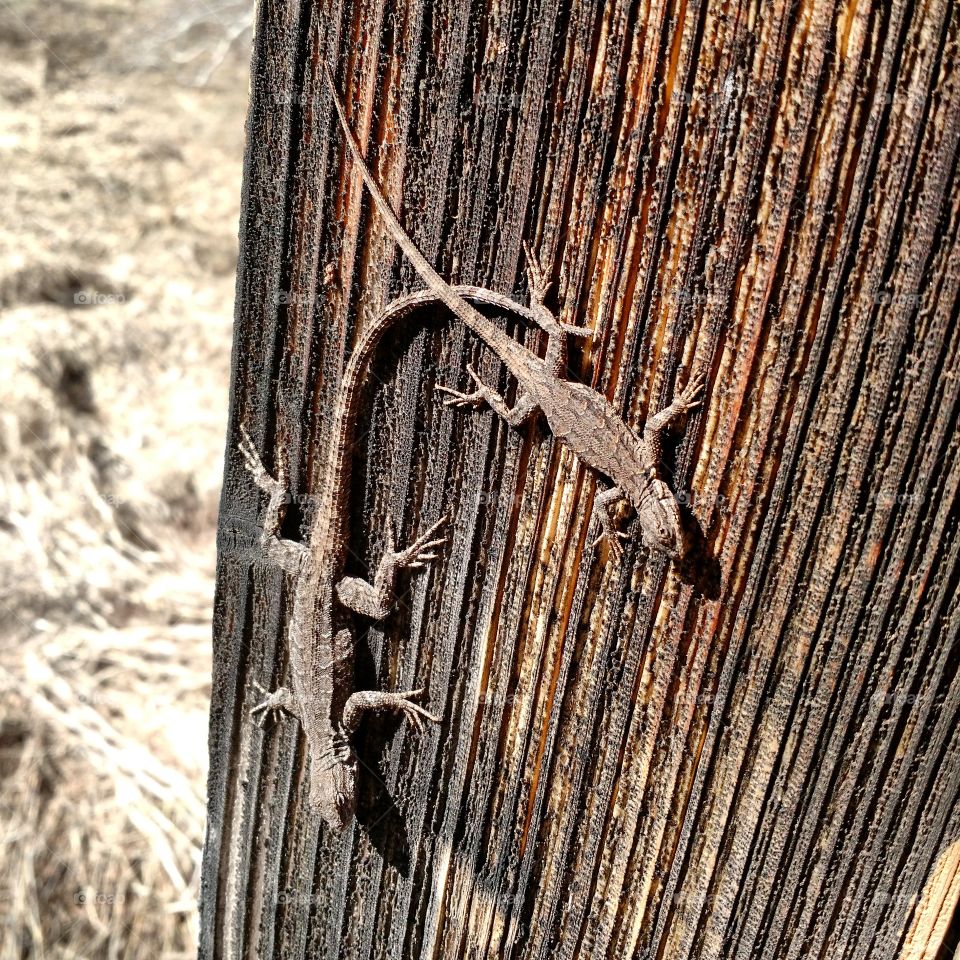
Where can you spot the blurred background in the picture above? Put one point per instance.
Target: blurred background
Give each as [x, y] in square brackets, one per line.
[121, 143]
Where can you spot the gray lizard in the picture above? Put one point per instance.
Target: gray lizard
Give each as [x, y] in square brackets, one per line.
[319, 635]
[577, 415]
[321, 642]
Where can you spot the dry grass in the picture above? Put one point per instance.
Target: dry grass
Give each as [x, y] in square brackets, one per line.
[120, 191]
[102, 793]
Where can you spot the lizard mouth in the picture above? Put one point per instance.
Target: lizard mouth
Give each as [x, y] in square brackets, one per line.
[670, 538]
[333, 795]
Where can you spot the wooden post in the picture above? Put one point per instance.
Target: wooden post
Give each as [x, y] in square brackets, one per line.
[754, 754]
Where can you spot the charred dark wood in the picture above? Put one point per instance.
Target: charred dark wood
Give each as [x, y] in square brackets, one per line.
[754, 753]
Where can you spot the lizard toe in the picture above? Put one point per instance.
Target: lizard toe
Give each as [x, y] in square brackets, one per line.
[432, 717]
[460, 399]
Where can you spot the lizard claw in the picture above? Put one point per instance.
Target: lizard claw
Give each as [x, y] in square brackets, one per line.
[423, 548]
[262, 711]
[614, 541]
[248, 452]
[272, 706]
[610, 535]
[539, 285]
[692, 394]
[413, 711]
[460, 399]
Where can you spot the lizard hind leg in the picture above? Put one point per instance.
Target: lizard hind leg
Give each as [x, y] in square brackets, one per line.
[274, 705]
[557, 332]
[287, 554]
[516, 416]
[608, 532]
[376, 600]
[401, 702]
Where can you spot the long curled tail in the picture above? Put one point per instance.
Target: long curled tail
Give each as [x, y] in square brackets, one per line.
[499, 342]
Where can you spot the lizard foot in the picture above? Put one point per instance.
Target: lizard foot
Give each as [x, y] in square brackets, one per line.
[692, 394]
[373, 701]
[614, 539]
[274, 705]
[608, 531]
[256, 468]
[376, 600]
[537, 278]
[422, 550]
[402, 702]
[459, 399]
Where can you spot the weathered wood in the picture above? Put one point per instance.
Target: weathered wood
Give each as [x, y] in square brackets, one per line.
[751, 755]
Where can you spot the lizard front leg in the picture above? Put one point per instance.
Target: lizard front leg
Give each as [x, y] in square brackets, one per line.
[285, 553]
[516, 416]
[282, 699]
[372, 700]
[377, 599]
[689, 399]
[608, 532]
[557, 332]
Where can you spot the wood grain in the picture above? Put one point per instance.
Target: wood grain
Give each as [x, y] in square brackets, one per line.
[756, 754]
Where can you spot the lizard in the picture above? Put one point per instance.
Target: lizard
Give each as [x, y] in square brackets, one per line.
[321, 643]
[577, 415]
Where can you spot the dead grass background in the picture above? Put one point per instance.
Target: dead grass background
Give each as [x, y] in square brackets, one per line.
[121, 139]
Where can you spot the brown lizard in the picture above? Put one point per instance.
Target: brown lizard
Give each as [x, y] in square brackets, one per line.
[321, 643]
[576, 414]
[320, 639]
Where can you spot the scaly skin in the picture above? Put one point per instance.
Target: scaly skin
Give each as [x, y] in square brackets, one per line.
[579, 416]
[321, 642]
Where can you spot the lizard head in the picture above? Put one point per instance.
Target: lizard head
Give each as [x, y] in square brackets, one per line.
[661, 523]
[333, 793]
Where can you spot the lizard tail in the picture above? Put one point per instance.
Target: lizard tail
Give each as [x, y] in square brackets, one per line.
[499, 342]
